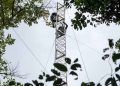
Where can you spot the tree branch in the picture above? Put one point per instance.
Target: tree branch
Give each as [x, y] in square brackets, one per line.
[2, 9]
[13, 3]
[3, 74]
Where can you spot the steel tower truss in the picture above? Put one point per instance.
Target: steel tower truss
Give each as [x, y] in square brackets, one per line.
[60, 39]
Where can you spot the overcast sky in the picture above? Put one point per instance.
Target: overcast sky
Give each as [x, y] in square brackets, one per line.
[39, 38]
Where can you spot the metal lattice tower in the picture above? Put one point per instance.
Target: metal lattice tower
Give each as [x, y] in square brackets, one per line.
[60, 36]
[60, 39]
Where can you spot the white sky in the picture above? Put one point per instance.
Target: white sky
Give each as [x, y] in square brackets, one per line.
[40, 39]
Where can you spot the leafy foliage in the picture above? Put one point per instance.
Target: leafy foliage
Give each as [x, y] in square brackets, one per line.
[105, 56]
[4, 41]
[14, 12]
[114, 78]
[76, 60]
[94, 12]
[111, 81]
[111, 44]
[60, 67]
[28, 84]
[56, 77]
[117, 45]
[88, 84]
[11, 82]
[55, 72]
[104, 50]
[75, 66]
[68, 60]
[74, 73]
[117, 68]
[118, 77]
[115, 57]
[59, 82]
[50, 78]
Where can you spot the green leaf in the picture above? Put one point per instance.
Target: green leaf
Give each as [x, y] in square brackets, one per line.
[117, 69]
[118, 76]
[12, 83]
[92, 83]
[104, 50]
[114, 83]
[111, 44]
[108, 81]
[68, 60]
[47, 75]
[73, 73]
[84, 84]
[41, 84]
[117, 45]
[43, 73]
[58, 82]
[75, 66]
[35, 82]
[99, 84]
[115, 57]
[28, 84]
[105, 56]
[50, 78]
[40, 77]
[60, 67]
[55, 72]
[18, 84]
[76, 60]
[91, 23]
[88, 21]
